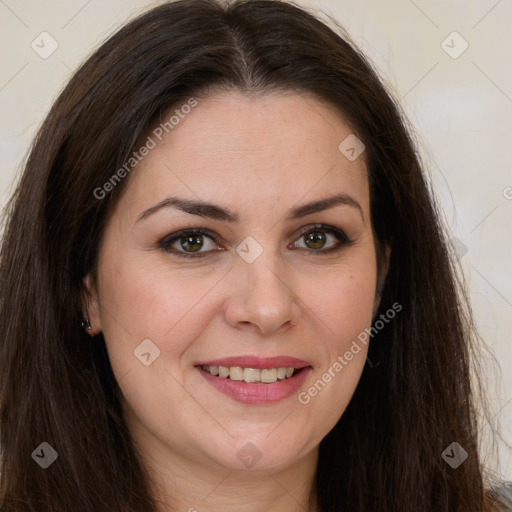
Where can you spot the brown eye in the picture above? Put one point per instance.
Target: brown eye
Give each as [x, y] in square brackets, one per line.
[189, 243]
[317, 237]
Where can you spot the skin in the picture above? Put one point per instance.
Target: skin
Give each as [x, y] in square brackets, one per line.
[260, 157]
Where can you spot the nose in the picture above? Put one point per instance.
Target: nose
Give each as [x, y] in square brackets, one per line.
[261, 297]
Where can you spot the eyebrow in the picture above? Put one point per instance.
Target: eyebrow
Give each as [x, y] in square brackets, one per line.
[216, 212]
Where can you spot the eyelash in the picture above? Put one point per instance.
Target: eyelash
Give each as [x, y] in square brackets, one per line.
[166, 242]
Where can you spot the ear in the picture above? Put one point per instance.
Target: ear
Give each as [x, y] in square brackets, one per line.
[381, 278]
[90, 306]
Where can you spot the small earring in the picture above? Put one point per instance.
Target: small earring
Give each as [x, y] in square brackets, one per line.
[87, 324]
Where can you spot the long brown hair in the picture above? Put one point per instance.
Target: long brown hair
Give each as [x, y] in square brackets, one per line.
[56, 386]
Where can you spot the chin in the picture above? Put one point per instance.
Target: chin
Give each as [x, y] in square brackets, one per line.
[261, 453]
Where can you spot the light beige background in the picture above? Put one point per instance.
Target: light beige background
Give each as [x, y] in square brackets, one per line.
[460, 108]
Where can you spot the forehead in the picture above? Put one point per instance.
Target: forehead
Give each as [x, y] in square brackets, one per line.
[251, 152]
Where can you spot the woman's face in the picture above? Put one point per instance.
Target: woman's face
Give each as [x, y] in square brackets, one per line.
[248, 291]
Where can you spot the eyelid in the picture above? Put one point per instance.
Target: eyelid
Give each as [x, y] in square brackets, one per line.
[320, 227]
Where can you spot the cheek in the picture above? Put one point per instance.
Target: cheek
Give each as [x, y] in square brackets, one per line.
[343, 303]
[343, 300]
[140, 301]
[171, 308]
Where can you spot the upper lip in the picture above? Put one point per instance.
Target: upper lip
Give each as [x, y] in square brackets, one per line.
[248, 361]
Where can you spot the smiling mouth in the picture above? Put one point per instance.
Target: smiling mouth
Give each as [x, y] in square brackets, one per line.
[251, 375]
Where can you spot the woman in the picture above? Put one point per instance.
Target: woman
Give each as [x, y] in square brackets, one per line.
[225, 285]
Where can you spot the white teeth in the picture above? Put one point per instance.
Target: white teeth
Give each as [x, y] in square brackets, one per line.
[267, 376]
[223, 371]
[236, 373]
[281, 373]
[252, 375]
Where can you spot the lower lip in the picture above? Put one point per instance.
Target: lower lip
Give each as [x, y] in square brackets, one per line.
[257, 393]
